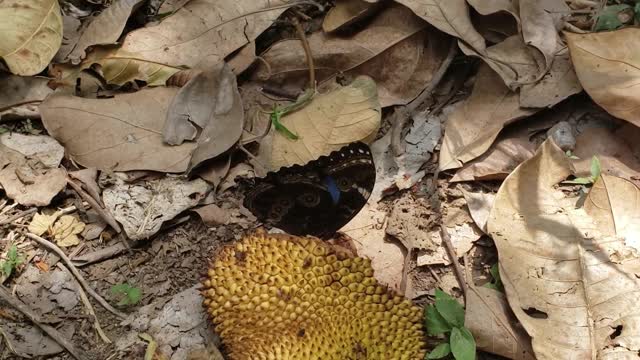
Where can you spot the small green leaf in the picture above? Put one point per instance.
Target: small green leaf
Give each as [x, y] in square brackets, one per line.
[7, 268]
[463, 345]
[570, 155]
[496, 283]
[608, 18]
[595, 168]
[450, 309]
[435, 323]
[580, 181]
[440, 351]
[636, 9]
[3, 130]
[129, 295]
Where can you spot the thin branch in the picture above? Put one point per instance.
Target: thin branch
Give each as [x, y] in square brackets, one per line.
[451, 251]
[6, 296]
[17, 216]
[51, 246]
[94, 204]
[307, 52]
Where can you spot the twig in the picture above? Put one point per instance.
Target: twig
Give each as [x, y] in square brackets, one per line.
[99, 255]
[6, 296]
[94, 204]
[457, 269]
[17, 216]
[405, 272]
[87, 303]
[307, 52]
[402, 113]
[574, 29]
[76, 273]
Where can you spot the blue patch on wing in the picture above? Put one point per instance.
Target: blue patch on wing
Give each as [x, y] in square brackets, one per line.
[332, 187]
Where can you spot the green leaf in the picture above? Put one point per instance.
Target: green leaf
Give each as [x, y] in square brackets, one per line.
[496, 283]
[608, 18]
[463, 346]
[636, 9]
[3, 130]
[130, 295]
[595, 168]
[7, 268]
[580, 181]
[435, 323]
[450, 309]
[440, 351]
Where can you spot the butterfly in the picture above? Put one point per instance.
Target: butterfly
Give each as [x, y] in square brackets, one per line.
[317, 198]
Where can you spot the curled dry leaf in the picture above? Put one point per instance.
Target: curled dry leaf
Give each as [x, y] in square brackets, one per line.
[31, 33]
[121, 133]
[328, 122]
[21, 95]
[32, 187]
[345, 13]
[105, 28]
[66, 229]
[609, 74]
[472, 128]
[572, 268]
[210, 100]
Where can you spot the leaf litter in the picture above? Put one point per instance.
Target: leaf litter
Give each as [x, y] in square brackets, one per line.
[146, 122]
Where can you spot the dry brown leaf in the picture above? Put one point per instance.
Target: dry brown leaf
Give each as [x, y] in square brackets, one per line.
[20, 96]
[473, 127]
[609, 74]
[210, 101]
[541, 20]
[105, 28]
[569, 273]
[88, 179]
[71, 27]
[31, 33]
[462, 238]
[479, 205]
[213, 215]
[42, 148]
[616, 150]
[121, 133]
[409, 221]
[30, 187]
[329, 122]
[449, 16]
[242, 59]
[345, 13]
[66, 229]
[395, 50]
[493, 325]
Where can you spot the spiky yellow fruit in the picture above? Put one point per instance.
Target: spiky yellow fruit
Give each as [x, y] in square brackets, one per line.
[285, 297]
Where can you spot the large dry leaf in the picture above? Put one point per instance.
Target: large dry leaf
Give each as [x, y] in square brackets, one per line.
[121, 133]
[41, 148]
[105, 28]
[31, 34]
[329, 122]
[541, 20]
[450, 16]
[394, 49]
[493, 325]
[30, 187]
[473, 127]
[346, 12]
[210, 101]
[570, 273]
[610, 74]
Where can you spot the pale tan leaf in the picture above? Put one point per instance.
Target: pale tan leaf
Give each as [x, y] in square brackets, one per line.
[66, 229]
[120, 133]
[41, 223]
[30, 187]
[610, 74]
[479, 205]
[449, 16]
[395, 49]
[329, 122]
[346, 12]
[493, 325]
[31, 34]
[541, 20]
[472, 128]
[569, 273]
[105, 28]
[42, 148]
[116, 66]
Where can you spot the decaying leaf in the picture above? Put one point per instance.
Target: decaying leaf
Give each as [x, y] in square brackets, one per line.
[462, 238]
[105, 28]
[609, 73]
[409, 221]
[493, 325]
[142, 207]
[66, 229]
[396, 49]
[120, 133]
[31, 34]
[570, 273]
[472, 128]
[328, 122]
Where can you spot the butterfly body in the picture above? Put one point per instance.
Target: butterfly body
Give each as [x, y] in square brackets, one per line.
[317, 198]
